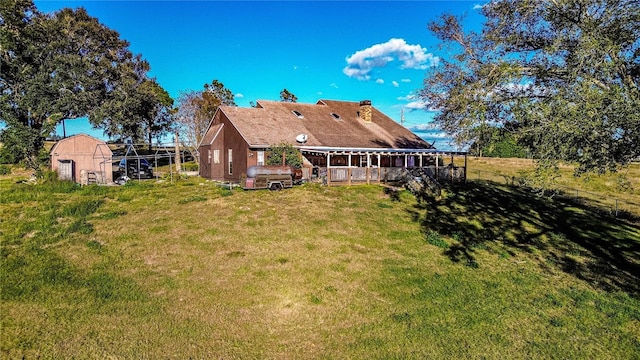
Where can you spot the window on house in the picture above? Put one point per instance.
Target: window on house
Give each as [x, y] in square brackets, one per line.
[260, 158]
[298, 114]
[230, 162]
[336, 116]
[209, 156]
[216, 156]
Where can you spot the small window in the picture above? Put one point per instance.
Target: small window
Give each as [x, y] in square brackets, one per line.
[298, 114]
[230, 162]
[336, 116]
[216, 156]
[260, 158]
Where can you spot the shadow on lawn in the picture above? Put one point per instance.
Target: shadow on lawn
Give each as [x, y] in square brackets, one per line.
[576, 239]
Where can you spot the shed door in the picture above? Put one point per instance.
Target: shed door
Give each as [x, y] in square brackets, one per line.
[65, 170]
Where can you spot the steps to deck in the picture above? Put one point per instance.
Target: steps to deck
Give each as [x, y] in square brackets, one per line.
[421, 183]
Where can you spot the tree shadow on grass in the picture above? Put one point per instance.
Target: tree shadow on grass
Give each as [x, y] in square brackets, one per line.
[558, 234]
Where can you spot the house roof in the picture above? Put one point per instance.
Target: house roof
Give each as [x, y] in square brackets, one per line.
[327, 123]
[211, 134]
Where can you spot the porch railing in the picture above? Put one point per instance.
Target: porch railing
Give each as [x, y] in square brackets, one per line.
[351, 175]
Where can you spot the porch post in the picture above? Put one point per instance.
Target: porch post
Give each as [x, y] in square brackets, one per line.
[437, 161]
[368, 167]
[379, 169]
[452, 165]
[328, 168]
[349, 170]
[465, 167]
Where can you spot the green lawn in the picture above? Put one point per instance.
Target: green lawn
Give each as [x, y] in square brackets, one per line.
[190, 270]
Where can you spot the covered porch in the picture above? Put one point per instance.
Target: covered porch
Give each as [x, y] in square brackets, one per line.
[346, 166]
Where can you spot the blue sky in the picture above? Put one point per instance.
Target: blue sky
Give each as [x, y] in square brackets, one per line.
[337, 50]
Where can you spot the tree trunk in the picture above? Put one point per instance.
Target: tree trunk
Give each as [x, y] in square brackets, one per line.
[178, 160]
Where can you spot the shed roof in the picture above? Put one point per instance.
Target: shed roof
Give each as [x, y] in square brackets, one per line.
[327, 123]
[81, 143]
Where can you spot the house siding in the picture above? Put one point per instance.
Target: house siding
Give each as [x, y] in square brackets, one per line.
[227, 139]
[240, 149]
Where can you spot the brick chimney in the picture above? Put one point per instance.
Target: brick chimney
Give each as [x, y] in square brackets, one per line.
[365, 110]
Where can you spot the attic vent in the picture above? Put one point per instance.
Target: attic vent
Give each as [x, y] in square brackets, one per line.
[336, 116]
[298, 114]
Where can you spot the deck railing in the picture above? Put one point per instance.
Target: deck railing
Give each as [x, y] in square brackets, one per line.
[359, 175]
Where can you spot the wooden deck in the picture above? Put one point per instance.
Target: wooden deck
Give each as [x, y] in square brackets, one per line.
[360, 175]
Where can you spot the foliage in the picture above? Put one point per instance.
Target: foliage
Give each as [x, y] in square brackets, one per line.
[196, 110]
[497, 142]
[564, 74]
[292, 156]
[435, 239]
[5, 170]
[215, 95]
[145, 112]
[61, 66]
[286, 96]
[190, 166]
[18, 143]
[505, 147]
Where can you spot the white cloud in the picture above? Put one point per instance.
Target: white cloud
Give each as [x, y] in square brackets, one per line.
[477, 7]
[239, 95]
[362, 62]
[408, 97]
[333, 85]
[430, 129]
[395, 83]
[406, 80]
[422, 127]
[379, 81]
[416, 105]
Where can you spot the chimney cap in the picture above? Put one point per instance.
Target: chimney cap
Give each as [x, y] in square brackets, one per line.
[365, 102]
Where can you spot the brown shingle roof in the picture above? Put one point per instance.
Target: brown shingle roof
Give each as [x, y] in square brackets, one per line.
[274, 122]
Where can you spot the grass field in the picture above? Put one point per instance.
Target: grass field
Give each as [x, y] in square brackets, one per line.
[190, 270]
[610, 192]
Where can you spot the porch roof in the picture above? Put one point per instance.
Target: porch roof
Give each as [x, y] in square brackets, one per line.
[362, 151]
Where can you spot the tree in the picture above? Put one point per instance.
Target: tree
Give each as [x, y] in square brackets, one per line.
[563, 74]
[142, 110]
[214, 96]
[60, 66]
[286, 96]
[497, 142]
[196, 110]
[291, 155]
[158, 110]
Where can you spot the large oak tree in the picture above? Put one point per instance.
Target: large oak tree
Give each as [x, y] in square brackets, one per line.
[562, 74]
[66, 65]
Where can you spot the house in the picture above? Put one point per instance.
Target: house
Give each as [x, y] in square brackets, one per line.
[340, 141]
[83, 159]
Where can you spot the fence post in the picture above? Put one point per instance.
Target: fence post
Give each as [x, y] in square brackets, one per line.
[616, 207]
[577, 197]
